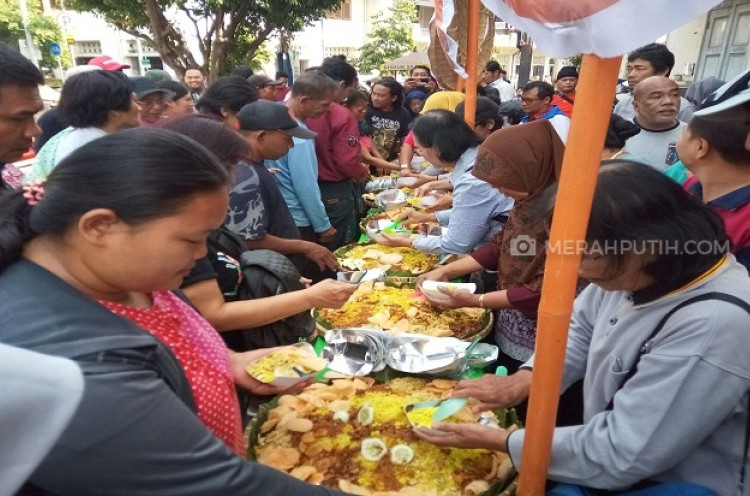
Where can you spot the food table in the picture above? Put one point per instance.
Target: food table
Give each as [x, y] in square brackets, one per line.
[353, 431]
[354, 434]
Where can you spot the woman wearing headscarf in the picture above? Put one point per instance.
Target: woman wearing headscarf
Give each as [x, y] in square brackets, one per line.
[520, 162]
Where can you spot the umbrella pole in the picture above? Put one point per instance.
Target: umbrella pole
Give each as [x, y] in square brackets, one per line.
[594, 96]
[472, 57]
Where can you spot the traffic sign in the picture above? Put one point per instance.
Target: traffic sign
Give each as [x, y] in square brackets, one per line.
[55, 49]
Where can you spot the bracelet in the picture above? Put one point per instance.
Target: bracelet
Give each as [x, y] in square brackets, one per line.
[481, 300]
[404, 166]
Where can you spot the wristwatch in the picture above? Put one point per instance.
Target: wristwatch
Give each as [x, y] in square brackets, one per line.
[404, 166]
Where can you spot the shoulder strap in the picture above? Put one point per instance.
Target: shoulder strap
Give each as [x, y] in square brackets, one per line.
[646, 347]
[565, 97]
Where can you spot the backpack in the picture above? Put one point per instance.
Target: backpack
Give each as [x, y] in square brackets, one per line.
[264, 273]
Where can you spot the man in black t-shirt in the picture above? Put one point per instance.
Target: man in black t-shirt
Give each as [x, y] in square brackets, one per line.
[257, 210]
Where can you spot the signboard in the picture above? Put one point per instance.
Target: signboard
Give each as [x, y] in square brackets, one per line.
[55, 49]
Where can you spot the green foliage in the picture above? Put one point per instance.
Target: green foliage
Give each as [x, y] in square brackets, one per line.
[390, 37]
[576, 60]
[238, 56]
[44, 31]
[229, 32]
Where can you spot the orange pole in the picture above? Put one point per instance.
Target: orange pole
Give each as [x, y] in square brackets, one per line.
[594, 96]
[472, 61]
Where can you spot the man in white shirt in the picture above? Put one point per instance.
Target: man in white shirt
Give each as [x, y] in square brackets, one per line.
[649, 60]
[656, 100]
[492, 77]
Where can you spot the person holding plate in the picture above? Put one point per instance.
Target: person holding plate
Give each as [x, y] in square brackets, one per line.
[479, 210]
[520, 162]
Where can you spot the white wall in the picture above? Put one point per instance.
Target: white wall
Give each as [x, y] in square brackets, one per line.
[89, 27]
[685, 43]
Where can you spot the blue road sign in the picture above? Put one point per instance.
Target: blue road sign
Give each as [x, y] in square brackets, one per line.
[55, 49]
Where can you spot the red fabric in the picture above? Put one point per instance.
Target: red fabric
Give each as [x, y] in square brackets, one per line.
[365, 141]
[565, 106]
[12, 175]
[734, 210]
[409, 140]
[520, 298]
[524, 300]
[486, 256]
[281, 93]
[337, 145]
[203, 356]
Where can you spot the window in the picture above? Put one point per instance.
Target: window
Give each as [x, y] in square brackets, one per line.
[424, 14]
[342, 13]
[87, 48]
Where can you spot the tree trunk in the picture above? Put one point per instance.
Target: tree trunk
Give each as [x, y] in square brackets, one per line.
[169, 42]
[524, 65]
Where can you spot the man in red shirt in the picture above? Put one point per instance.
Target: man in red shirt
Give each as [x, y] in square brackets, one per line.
[565, 89]
[339, 159]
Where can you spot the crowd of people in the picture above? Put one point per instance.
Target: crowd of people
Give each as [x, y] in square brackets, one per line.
[170, 232]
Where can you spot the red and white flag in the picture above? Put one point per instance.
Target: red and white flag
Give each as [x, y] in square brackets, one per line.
[607, 28]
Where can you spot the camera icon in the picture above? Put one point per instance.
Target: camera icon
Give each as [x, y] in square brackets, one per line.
[523, 246]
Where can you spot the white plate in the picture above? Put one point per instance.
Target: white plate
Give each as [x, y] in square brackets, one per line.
[428, 201]
[375, 230]
[406, 182]
[432, 288]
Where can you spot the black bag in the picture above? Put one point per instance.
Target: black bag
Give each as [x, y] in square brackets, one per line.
[265, 273]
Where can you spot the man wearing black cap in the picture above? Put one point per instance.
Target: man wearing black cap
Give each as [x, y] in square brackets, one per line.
[257, 210]
[151, 99]
[565, 89]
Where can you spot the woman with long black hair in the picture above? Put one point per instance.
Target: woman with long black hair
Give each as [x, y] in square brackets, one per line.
[87, 262]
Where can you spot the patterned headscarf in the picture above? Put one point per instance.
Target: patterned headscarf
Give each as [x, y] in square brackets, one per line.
[525, 158]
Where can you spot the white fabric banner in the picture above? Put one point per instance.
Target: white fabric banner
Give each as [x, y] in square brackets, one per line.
[607, 28]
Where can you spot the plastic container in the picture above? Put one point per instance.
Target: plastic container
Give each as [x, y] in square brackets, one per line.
[432, 288]
[376, 228]
[406, 182]
[391, 199]
[286, 367]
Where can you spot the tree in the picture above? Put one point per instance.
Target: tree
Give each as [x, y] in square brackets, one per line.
[227, 30]
[44, 31]
[390, 37]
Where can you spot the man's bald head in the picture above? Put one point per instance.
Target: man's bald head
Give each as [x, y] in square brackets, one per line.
[656, 101]
[646, 86]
